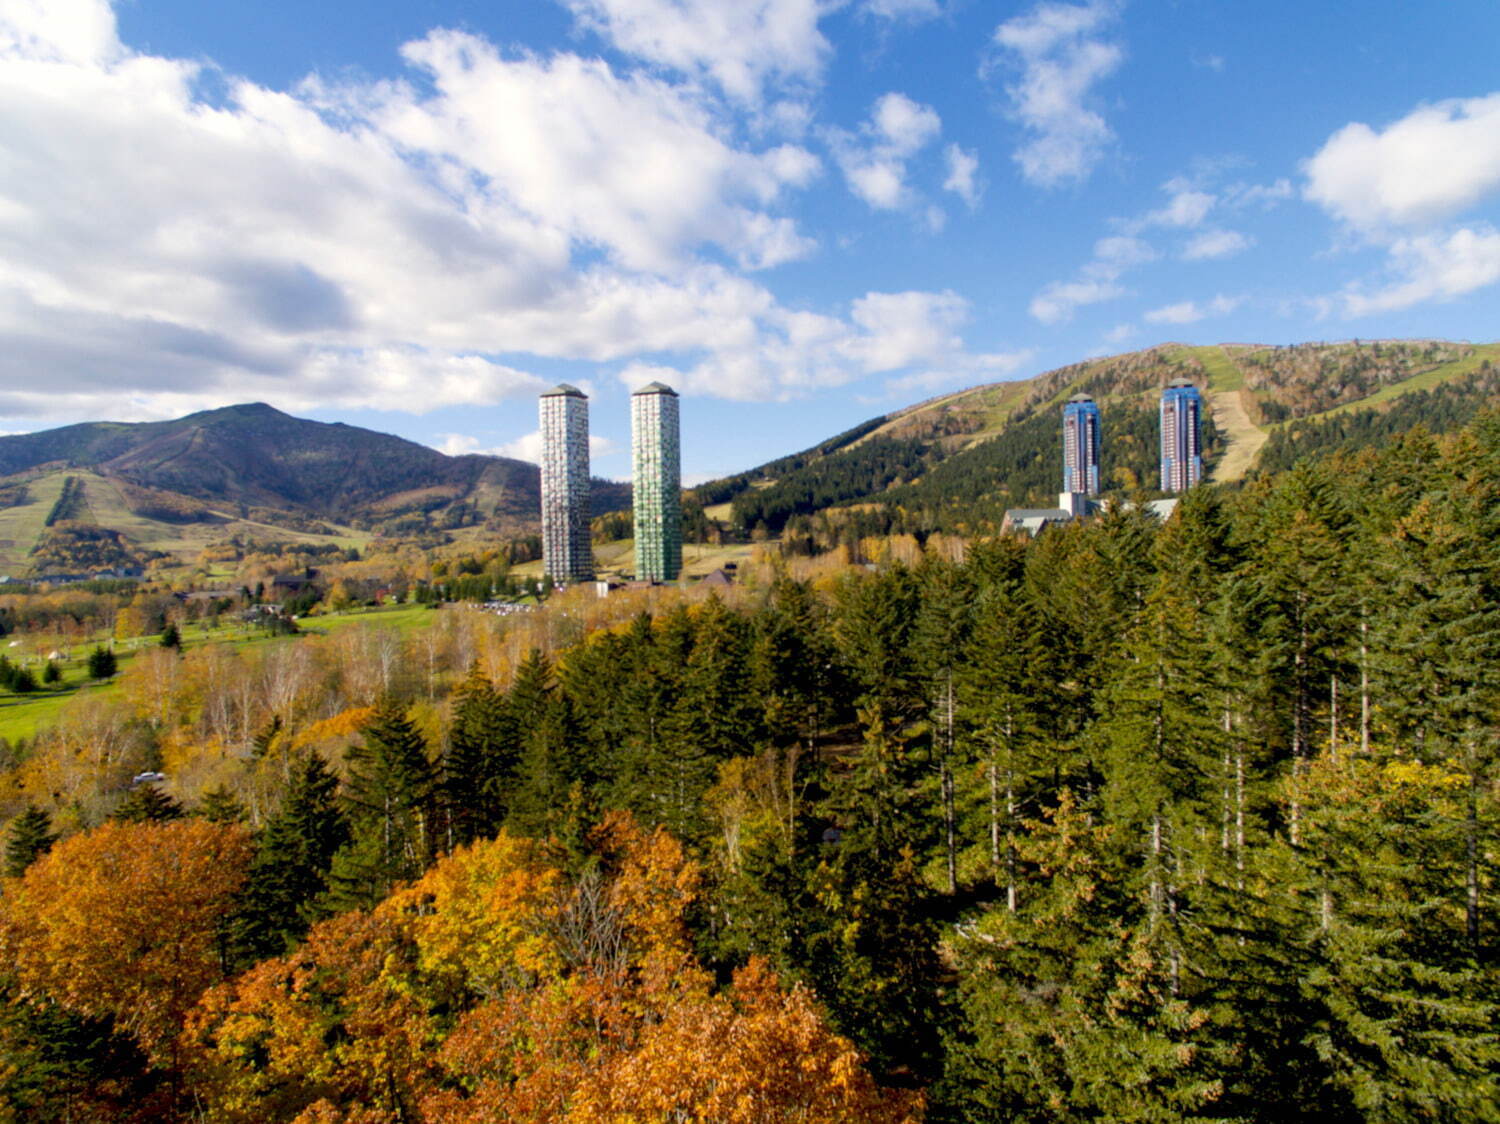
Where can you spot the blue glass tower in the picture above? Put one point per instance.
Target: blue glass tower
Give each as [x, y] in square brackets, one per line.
[1081, 446]
[1181, 442]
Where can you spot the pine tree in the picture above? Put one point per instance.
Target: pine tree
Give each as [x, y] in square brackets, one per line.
[146, 803]
[102, 663]
[944, 619]
[390, 801]
[219, 805]
[479, 763]
[30, 837]
[290, 872]
[171, 637]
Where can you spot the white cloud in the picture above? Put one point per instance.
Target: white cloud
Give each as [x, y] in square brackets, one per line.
[902, 11]
[1186, 207]
[913, 336]
[904, 329]
[874, 161]
[373, 245]
[1062, 57]
[1190, 312]
[1257, 194]
[1396, 188]
[1429, 166]
[527, 447]
[970, 371]
[741, 46]
[963, 172]
[1432, 268]
[1121, 332]
[1098, 280]
[1210, 244]
[1055, 303]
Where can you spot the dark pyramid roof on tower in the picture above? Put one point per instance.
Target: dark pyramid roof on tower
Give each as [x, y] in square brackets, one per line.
[564, 389]
[657, 388]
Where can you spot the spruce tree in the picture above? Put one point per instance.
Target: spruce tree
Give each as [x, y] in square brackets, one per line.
[390, 801]
[101, 663]
[30, 837]
[147, 803]
[944, 620]
[290, 872]
[479, 763]
[219, 805]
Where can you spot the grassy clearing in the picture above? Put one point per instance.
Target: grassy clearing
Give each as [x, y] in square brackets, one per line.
[1224, 376]
[21, 716]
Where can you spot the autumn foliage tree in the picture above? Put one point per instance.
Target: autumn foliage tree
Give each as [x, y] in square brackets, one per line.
[124, 922]
[498, 988]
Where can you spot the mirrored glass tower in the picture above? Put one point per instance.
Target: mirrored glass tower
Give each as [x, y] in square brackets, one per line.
[1080, 446]
[1181, 448]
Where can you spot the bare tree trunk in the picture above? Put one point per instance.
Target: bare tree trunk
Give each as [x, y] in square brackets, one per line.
[1364, 686]
[950, 814]
[1333, 717]
[1471, 846]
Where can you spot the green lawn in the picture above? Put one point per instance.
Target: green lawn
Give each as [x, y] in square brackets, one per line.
[21, 716]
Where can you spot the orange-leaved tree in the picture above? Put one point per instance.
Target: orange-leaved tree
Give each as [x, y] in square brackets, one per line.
[125, 921]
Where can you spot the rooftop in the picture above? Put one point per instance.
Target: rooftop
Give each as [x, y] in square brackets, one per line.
[563, 389]
[657, 388]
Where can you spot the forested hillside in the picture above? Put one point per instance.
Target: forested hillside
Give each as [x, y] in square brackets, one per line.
[1134, 821]
[955, 464]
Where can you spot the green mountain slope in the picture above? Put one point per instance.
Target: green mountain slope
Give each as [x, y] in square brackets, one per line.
[957, 461]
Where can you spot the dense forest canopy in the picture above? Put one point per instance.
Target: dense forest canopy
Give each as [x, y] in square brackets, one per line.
[1132, 821]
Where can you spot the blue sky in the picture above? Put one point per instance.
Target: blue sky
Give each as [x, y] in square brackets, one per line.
[414, 216]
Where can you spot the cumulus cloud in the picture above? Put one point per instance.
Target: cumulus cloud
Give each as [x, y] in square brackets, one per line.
[1400, 189]
[378, 245]
[740, 46]
[1190, 312]
[914, 337]
[1432, 268]
[525, 448]
[1434, 163]
[901, 11]
[874, 160]
[1186, 206]
[1062, 56]
[1210, 244]
[963, 175]
[1098, 281]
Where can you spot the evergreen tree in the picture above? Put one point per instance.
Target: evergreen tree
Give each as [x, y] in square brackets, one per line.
[171, 637]
[941, 631]
[52, 674]
[146, 803]
[102, 663]
[290, 871]
[219, 805]
[30, 837]
[390, 801]
[479, 763]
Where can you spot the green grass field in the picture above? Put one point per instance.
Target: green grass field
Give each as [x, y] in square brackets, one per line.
[21, 716]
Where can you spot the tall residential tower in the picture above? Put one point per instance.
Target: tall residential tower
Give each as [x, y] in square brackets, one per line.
[1080, 450]
[567, 552]
[658, 483]
[1181, 446]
